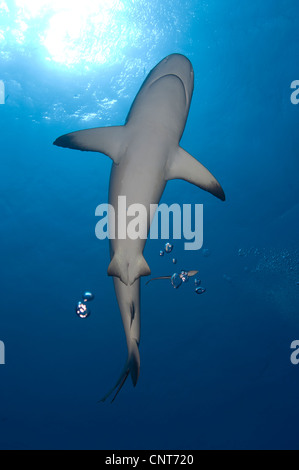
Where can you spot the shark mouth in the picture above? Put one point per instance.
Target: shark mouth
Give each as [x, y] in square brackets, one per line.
[179, 78]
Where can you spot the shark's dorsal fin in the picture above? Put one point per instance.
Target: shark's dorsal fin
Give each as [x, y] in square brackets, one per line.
[107, 140]
[183, 166]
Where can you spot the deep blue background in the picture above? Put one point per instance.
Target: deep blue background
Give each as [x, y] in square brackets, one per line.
[216, 371]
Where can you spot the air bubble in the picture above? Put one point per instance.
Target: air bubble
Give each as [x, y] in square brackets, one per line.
[176, 280]
[83, 310]
[184, 276]
[197, 282]
[174, 261]
[206, 253]
[200, 290]
[161, 253]
[87, 296]
[168, 248]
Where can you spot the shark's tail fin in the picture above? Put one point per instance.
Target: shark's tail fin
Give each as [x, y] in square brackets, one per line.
[132, 367]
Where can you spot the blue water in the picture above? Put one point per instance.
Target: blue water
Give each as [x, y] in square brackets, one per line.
[215, 368]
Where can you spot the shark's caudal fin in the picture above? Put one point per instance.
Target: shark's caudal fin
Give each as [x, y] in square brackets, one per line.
[183, 166]
[107, 140]
[132, 367]
[128, 271]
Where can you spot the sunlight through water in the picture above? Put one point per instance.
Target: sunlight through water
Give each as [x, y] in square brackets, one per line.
[110, 46]
[76, 31]
[71, 32]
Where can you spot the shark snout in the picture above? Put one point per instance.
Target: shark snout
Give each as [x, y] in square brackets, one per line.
[179, 66]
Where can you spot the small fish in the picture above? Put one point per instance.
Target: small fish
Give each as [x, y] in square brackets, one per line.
[190, 274]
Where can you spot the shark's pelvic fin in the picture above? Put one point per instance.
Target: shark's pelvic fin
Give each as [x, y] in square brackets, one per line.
[141, 268]
[107, 140]
[128, 271]
[183, 166]
[132, 367]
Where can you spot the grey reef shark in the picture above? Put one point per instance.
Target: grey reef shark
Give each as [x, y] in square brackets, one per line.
[146, 154]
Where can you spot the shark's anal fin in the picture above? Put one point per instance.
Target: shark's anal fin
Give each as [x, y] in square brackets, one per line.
[107, 140]
[183, 166]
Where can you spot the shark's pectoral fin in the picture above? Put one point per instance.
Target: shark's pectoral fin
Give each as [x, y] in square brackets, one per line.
[107, 140]
[183, 166]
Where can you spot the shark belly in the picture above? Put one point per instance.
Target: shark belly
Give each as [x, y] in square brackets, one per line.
[144, 190]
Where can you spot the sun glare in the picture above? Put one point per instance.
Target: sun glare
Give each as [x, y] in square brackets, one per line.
[74, 31]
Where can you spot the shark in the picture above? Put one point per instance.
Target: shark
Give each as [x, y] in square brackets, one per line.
[146, 154]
